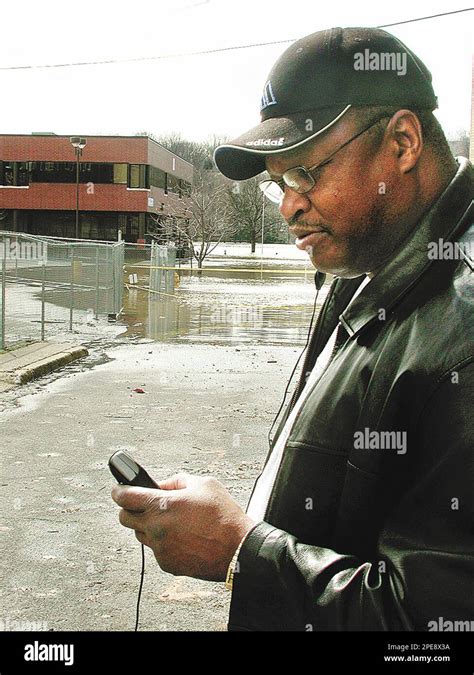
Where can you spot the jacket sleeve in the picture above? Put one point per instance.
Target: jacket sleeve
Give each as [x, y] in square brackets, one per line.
[425, 558]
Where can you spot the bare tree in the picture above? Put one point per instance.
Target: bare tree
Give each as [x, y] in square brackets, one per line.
[192, 151]
[246, 208]
[202, 220]
[217, 208]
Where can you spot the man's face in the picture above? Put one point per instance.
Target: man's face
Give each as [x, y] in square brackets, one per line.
[347, 211]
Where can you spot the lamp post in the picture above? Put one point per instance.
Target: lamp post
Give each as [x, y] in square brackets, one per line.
[78, 144]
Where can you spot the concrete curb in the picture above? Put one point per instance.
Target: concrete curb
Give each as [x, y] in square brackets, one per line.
[49, 364]
[42, 366]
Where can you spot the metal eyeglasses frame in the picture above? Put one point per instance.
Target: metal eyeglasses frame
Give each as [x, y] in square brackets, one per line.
[286, 181]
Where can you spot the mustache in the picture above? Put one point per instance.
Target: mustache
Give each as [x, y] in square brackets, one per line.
[297, 219]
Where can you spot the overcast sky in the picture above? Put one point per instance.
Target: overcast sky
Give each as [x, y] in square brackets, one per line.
[195, 95]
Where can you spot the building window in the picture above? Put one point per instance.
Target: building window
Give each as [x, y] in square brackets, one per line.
[97, 173]
[138, 176]
[6, 173]
[22, 173]
[157, 177]
[65, 172]
[131, 230]
[120, 173]
[173, 184]
[134, 176]
[14, 173]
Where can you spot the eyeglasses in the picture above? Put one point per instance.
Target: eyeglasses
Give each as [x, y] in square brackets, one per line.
[301, 178]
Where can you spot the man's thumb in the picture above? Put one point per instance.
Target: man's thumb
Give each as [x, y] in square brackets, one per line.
[177, 482]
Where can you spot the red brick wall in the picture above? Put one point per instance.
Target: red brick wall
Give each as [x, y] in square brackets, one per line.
[61, 196]
[58, 149]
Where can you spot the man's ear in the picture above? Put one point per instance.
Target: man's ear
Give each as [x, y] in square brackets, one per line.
[406, 137]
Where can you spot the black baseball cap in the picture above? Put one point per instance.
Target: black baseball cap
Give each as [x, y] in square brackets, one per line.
[316, 81]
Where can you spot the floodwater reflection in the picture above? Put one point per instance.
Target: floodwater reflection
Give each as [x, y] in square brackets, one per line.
[226, 306]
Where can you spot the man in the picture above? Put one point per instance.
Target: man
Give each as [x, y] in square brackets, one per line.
[362, 516]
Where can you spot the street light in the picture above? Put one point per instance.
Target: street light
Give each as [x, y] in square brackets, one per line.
[78, 144]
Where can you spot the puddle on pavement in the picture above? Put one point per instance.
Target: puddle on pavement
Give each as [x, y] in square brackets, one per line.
[244, 303]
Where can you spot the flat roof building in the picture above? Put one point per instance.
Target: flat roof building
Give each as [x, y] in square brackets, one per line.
[126, 183]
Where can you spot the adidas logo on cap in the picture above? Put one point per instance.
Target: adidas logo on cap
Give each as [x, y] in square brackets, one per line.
[266, 141]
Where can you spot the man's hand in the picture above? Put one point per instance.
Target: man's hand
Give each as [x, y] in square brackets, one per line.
[192, 524]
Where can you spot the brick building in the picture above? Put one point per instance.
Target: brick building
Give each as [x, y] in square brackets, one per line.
[126, 183]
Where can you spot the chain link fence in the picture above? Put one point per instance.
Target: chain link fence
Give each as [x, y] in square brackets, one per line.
[48, 281]
[163, 262]
[151, 267]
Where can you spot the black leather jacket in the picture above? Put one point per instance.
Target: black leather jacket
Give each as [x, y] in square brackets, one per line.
[388, 542]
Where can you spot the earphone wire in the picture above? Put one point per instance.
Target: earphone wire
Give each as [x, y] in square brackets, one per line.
[318, 288]
[140, 589]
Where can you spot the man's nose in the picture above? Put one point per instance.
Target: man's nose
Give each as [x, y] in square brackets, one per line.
[293, 202]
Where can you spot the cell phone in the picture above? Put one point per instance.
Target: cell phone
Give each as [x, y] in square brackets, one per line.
[128, 472]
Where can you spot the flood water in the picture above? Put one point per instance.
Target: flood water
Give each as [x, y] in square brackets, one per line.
[237, 301]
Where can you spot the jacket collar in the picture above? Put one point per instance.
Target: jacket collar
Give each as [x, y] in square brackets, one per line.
[444, 220]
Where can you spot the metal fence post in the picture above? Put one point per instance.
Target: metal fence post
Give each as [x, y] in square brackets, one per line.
[112, 264]
[119, 267]
[161, 271]
[172, 264]
[116, 267]
[4, 283]
[43, 279]
[71, 290]
[111, 278]
[152, 272]
[97, 283]
[16, 259]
